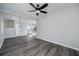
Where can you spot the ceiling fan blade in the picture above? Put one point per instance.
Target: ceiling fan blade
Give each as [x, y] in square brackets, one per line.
[42, 7]
[32, 5]
[44, 12]
[32, 11]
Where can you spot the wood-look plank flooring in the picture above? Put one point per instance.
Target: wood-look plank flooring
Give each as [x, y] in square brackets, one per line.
[21, 46]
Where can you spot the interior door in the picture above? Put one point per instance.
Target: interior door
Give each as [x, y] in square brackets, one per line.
[23, 27]
[17, 26]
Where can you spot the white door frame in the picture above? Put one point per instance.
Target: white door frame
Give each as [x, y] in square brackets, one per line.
[1, 32]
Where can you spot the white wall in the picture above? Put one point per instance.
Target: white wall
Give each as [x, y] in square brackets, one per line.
[61, 28]
[9, 32]
[20, 25]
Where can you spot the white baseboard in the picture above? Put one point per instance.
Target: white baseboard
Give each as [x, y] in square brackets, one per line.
[58, 43]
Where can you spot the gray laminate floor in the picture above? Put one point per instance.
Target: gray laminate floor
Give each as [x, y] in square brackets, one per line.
[21, 46]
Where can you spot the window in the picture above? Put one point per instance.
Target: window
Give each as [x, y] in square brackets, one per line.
[9, 23]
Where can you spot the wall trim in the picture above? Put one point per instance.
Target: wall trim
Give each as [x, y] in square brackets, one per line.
[58, 43]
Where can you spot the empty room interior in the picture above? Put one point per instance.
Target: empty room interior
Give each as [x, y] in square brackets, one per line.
[39, 29]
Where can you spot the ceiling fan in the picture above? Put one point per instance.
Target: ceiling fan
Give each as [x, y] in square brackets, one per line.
[38, 9]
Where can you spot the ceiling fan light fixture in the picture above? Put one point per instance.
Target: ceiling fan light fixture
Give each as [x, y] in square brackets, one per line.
[37, 11]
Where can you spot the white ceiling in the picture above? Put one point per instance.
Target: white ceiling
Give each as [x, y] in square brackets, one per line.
[24, 7]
